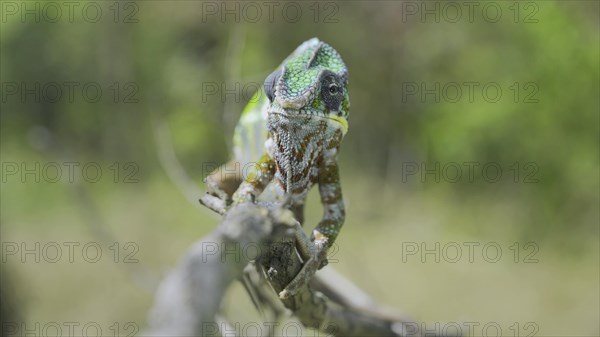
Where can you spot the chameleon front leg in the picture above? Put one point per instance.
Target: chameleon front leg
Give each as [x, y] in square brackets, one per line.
[224, 181]
[220, 186]
[334, 212]
[225, 185]
[314, 251]
[256, 181]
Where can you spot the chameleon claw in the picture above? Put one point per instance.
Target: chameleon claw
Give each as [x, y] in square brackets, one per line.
[284, 294]
[301, 279]
[314, 254]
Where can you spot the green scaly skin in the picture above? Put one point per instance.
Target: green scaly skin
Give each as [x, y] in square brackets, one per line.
[304, 109]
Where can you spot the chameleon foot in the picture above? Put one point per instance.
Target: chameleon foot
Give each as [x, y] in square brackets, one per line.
[216, 197]
[301, 279]
[314, 254]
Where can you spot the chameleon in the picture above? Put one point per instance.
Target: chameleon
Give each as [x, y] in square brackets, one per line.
[290, 134]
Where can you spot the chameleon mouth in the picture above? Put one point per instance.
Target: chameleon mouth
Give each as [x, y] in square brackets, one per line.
[340, 120]
[295, 112]
[334, 117]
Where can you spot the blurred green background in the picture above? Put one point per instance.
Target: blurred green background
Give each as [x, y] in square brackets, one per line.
[157, 64]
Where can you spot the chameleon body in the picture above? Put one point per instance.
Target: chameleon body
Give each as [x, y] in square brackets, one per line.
[291, 133]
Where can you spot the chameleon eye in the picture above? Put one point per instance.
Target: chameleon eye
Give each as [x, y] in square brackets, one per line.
[270, 83]
[333, 89]
[331, 93]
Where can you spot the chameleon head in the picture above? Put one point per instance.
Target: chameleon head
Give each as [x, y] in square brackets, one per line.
[312, 81]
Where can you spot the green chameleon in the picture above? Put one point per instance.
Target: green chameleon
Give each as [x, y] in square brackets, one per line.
[290, 134]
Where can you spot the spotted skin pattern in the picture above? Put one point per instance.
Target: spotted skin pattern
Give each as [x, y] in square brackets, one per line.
[306, 119]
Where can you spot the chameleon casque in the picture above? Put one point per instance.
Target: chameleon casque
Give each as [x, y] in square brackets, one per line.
[291, 132]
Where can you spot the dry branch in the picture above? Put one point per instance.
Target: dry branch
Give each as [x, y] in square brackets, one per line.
[188, 300]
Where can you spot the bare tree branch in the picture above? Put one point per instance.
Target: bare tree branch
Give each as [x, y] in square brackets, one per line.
[188, 300]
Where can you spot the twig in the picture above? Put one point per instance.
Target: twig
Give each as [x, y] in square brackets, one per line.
[170, 163]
